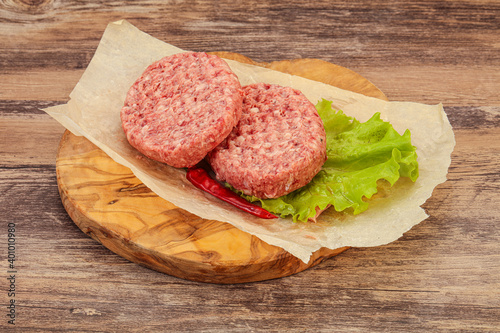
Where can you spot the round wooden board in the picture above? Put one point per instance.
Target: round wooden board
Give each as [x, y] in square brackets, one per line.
[111, 205]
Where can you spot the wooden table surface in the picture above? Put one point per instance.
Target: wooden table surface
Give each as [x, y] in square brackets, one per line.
[443, 275]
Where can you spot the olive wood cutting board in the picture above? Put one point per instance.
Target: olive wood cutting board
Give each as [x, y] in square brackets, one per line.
[108, 203]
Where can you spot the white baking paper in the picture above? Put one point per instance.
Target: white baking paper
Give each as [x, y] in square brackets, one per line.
[122, 55]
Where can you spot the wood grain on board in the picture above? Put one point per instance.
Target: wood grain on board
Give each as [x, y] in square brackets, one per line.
[111, 205]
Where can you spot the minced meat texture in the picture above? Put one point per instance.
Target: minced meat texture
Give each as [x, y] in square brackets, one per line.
[278, 146]
[182, 107]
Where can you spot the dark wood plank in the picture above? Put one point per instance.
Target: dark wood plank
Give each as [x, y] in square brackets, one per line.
[457, 42]
[29, 136]
[356, 32]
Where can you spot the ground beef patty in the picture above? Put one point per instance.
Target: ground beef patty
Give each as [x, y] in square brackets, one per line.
[182, 107]
[278, 145]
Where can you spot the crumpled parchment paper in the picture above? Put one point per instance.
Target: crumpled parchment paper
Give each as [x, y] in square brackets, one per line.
[122, 55]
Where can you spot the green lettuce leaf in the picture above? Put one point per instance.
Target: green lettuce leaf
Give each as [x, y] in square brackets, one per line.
[359, 154]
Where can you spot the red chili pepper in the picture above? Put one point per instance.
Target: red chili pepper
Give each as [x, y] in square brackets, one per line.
[200, 178]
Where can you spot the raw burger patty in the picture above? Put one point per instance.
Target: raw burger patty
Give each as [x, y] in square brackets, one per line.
[182, 107]
[278, 146]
